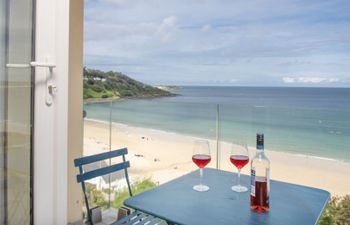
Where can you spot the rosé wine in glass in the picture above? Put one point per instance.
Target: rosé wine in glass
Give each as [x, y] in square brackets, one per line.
[201, 157]
[239, 158]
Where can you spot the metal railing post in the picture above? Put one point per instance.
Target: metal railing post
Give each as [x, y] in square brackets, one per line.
[110, 149]
[218, 129]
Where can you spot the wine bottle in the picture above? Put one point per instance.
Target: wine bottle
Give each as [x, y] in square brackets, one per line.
[260, 178]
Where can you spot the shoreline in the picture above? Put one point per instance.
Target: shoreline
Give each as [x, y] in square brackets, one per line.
[251, 148]
[165, 155]
[116, 99]
[101, 100]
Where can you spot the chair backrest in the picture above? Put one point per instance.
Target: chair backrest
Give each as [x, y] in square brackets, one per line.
[83, 176]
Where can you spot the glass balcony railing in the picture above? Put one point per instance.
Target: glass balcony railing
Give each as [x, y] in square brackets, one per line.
[160, 136]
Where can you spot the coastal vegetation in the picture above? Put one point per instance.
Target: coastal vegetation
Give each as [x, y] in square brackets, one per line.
[101, 85]
[136, 188]
[99, 198]
[337, 212]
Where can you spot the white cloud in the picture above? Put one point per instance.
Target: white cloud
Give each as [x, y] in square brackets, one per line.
[284, 42]
[309, 80]
[119, 3]
[206, 27]
[118, 31]
[167, 29]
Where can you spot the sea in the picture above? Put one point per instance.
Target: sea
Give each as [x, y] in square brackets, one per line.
[307, 121]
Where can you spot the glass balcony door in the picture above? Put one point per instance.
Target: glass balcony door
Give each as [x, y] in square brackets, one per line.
[16, 89]
[2, 110]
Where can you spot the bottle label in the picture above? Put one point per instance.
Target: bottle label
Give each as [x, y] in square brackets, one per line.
[252, 182]
[254, 179]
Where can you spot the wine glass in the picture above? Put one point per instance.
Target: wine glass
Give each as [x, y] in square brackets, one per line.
[201, 157]
[239, 157]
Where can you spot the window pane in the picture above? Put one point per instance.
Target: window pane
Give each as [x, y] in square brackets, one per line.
[2, 108]
[15, 114]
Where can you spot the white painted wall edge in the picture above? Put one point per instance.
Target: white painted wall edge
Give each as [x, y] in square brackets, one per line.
[75, 108]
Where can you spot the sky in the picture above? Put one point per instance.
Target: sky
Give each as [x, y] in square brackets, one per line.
[221, 42]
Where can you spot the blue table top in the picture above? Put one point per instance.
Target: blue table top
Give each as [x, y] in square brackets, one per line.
[177, 202]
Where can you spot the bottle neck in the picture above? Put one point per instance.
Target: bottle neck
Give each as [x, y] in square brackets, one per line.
[259, 149]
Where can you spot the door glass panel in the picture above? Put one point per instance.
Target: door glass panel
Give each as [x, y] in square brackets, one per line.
[2, 109]
[16, 111]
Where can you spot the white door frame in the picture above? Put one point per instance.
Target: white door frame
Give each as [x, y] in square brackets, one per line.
[53, 145]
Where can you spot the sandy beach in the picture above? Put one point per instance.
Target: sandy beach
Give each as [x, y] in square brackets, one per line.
[163, 156]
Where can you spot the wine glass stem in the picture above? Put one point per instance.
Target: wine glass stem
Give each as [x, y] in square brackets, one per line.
[239, 177]
[200, 176]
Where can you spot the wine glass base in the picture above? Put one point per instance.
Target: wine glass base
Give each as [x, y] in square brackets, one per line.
[239, 188]
[201, 188]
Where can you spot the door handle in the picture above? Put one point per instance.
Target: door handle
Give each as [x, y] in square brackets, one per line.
[13, 65]
[31, 64]
[43, 64]
[51, 88]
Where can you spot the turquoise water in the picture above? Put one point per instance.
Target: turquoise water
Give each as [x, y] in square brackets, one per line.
[310, 121]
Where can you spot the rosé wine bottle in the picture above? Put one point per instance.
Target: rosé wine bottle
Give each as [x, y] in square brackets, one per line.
[260, 178]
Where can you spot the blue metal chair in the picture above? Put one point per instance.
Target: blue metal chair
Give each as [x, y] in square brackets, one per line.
[137, 217]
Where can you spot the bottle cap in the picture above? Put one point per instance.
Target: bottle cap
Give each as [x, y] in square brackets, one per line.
[260, 140]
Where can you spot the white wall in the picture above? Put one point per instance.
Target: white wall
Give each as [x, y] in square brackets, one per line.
[75, 115]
